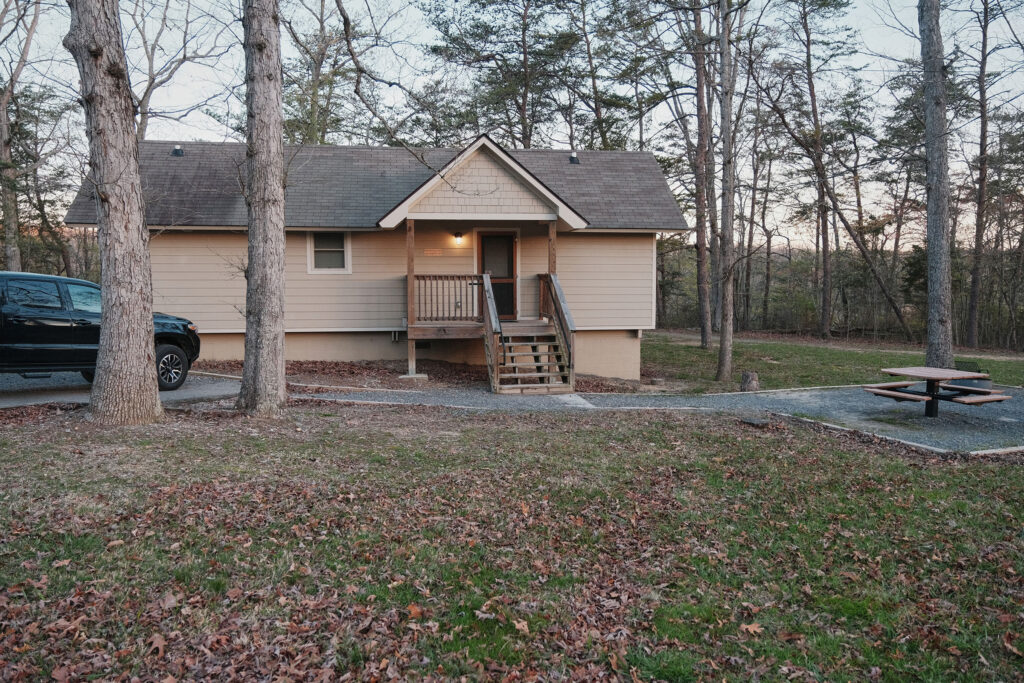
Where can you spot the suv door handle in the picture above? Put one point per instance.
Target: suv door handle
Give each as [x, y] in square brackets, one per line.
[81, 321]
[18, 319]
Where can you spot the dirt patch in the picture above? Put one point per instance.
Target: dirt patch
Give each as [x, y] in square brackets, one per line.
[312, 377]
[36, 414]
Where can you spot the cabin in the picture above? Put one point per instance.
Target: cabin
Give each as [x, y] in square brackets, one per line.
[540, 264]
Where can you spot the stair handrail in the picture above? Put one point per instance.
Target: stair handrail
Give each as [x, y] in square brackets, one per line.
[492, 331]
[554, 305]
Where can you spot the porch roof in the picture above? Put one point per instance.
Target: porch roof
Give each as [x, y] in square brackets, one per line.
[355, 187]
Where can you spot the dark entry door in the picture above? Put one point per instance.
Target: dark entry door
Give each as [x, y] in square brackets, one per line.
[498, 258]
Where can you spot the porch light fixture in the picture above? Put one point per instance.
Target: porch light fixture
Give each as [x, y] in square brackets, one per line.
[458, 239]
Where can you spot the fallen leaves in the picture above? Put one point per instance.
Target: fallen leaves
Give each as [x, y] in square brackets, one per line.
[156, 644]
[753, 629]
[358, 547]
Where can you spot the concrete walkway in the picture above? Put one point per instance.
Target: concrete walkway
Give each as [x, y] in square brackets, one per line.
[69, 387]
[958, 428]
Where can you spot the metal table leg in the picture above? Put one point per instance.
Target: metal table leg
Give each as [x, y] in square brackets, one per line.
[931, 408]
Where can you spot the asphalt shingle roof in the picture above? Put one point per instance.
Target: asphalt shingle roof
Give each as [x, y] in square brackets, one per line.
[354, 187]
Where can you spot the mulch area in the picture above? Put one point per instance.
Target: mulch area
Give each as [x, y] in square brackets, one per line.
[386, 375]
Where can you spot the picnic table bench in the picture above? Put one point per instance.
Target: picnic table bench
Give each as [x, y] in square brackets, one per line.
[939, 386]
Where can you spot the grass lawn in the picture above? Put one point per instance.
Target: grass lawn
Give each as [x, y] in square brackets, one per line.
[388, 542]
[782, 365]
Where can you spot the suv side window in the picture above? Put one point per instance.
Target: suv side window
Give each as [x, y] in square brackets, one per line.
[34, 294]
[84, 298]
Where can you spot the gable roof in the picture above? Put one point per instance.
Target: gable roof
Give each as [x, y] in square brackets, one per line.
[394, 217]
[355, 187]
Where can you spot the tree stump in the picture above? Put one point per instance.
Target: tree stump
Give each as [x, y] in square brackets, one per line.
[748, 381]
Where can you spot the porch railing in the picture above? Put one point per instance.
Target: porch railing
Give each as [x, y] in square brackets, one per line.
[554, 307]
[493, 348]
[448, 298]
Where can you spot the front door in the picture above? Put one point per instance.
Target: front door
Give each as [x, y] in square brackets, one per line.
[498, 259]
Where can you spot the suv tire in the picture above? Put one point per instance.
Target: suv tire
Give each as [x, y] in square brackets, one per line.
[171, 367]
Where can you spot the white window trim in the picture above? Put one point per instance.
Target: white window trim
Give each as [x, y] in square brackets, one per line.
[310, 260]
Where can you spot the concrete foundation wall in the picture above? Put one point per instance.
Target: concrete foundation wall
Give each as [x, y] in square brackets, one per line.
[608, 353]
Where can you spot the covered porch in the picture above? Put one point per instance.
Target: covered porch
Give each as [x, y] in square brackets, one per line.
[496, 282]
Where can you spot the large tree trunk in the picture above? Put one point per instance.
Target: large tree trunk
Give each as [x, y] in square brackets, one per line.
[263, 379]
[700, 181]
[982, 197]
[939, 352]
[125, 387]
[728, 193]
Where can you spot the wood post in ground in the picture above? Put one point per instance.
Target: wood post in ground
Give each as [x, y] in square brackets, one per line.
[748, 381]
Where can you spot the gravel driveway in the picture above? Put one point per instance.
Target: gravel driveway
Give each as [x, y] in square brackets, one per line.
[69, 387]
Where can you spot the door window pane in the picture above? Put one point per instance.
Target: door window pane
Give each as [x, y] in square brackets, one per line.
[34, 294]
[84, 298]
[497, 256]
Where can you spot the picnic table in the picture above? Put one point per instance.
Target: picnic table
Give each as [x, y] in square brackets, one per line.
[938, 387]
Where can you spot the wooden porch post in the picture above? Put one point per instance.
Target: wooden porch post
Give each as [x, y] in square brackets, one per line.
[410, 284]
[552, 257]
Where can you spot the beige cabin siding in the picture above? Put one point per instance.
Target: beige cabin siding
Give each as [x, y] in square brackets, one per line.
[482, 185]
[199, 276]
[608, 279]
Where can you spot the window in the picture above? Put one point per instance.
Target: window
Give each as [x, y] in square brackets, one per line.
[328, 252]
[34, 294]
[84, 298]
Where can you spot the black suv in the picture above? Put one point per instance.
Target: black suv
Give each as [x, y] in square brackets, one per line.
[52, 324]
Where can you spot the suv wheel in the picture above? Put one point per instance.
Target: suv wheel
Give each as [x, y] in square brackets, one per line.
[171, 367]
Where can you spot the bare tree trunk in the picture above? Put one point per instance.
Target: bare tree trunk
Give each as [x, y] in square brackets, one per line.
[939, 352]
[982, 197]
[767, 281]
[728, 192]
[17, 13]
[8, 194]
[700, 182]
[263, 378]
[768, 246]
[125, 387]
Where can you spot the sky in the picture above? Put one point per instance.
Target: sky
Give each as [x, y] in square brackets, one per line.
[876, 22]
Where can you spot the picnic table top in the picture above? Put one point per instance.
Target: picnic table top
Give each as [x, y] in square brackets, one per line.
[940, 374]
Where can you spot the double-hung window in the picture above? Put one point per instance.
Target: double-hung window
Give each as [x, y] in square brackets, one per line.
[329, 252]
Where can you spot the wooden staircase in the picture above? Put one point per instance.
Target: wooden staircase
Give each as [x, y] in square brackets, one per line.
[532, 360]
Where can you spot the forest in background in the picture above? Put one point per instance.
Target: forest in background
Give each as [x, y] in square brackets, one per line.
[826, 141]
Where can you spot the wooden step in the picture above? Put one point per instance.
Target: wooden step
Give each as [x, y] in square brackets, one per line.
[511, 354]
[526, 375]
[530, 364]
[535, 389]
[898, 395]
[976, 399]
